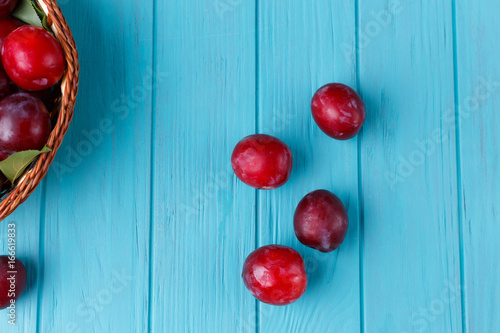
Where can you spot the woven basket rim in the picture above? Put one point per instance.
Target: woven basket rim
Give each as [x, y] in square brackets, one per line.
[69, 89]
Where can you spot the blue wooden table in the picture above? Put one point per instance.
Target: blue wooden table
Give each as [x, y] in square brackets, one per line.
[141, 225]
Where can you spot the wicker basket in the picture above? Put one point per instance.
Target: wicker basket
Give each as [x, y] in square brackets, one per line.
[64, 113]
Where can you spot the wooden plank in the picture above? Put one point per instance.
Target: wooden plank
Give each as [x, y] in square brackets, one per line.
[96, 235]
[302, 46]
[27, 226]
[85, 237]
[411, 255]
[478, 88]
[203, 216]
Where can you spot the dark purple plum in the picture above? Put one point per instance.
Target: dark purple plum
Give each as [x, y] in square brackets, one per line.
[321, 221]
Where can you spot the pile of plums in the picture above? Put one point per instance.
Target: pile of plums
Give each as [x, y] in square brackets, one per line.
[275, 274]
[32, 64]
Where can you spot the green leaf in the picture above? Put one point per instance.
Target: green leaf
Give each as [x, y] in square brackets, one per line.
[28, 12]
[15, 165]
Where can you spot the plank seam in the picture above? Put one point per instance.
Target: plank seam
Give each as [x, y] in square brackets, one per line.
[41, 255]
[360, 177]
[152, 173]
[459, 166]
[257, 99]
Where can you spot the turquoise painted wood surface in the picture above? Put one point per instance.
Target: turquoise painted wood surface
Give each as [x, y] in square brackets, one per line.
[141, 225]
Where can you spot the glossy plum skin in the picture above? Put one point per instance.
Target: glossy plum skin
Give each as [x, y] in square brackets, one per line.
[338, 110]
[7, 25]
[33, 58]
[24, 124]
[275, 274]
[262, 161]
[321, 221]
[5, 285]
[6, 7]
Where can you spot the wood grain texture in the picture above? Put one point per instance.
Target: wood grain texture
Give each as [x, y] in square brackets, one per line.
[478, 101]
[27, 225]
[411, 261]
[296, 56]
[96, 232]
[203, 216]
[141, 225]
